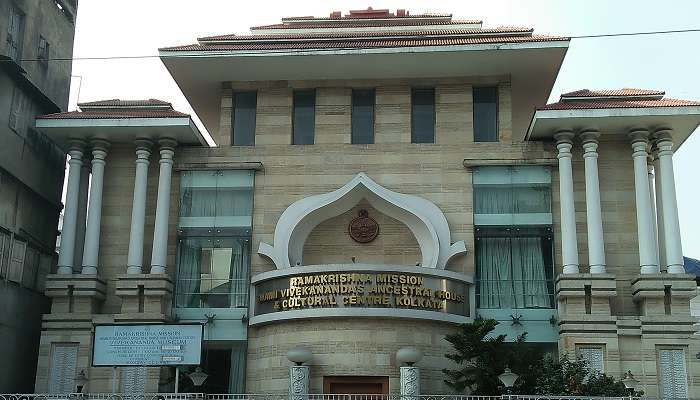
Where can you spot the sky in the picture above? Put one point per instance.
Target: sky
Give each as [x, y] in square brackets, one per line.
[670, 62]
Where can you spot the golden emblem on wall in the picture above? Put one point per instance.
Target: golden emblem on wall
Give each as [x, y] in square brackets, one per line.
[362, 228]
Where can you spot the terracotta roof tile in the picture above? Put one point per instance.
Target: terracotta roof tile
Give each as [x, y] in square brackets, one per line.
[580, 105]
[366, 22]
[624, 92]
[125, 103]
[115, 114]
[360, 44]
[366, 34]
[356, 15]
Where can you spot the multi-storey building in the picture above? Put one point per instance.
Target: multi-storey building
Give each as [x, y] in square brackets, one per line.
[32, 34]
[379, 177]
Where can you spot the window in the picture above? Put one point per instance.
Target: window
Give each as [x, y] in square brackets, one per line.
[134, 380]
[362, 116]
[673, 374]
[43, 51]
[514, 253]
[423, 116]
[15, 30]
[63, 367]
[593, 356]
[303, 119]
[485, 100]
[18, 111]
[214, 228]
[5, 245]
[244, 108]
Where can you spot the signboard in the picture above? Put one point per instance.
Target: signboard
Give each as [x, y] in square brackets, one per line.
[367, 289]
[149, 344]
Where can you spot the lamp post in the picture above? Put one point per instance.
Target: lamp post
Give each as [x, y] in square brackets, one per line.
[80, 381]
[508, 379]
[299, 373]
[630, 382]
[410, 374]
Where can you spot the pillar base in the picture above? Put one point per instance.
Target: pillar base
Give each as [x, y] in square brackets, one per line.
[571, 292]
[650, 292]
[145, 297]
[75, 293]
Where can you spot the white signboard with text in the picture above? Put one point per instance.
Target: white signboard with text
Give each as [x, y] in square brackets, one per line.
[149, 344]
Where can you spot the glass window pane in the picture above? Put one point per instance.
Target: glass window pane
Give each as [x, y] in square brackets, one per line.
[244, 107]
[514, 267]
[303, 120]
[485, 101]
[362, 116]
[423, 116]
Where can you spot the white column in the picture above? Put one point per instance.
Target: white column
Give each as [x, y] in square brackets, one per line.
[94, 218]
[645, 228]
[70, 213]
[659, 209]
[672, 232]
[652, 201]
[82, 215]
[160, 231]
[569, 244]
[138, 208]
[594, 218]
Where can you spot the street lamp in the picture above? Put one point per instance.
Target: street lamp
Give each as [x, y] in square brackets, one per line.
[80, 381]
[630, 382]
[198, 376]
[508, 379]
[408, 356]
[299, 355]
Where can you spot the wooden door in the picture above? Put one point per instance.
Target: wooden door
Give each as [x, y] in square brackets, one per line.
[377, 385]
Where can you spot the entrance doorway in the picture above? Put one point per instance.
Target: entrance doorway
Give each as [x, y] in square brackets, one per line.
[356, 385]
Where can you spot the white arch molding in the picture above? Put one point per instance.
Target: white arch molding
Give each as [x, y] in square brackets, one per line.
[425, 220]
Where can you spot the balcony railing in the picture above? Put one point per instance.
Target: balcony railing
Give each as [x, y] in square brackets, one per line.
[203, 396]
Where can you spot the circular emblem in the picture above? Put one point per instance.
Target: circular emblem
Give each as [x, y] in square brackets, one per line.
[363, 229]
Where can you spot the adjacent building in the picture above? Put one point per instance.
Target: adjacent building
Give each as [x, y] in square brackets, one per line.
[32, 34]
[379, 178]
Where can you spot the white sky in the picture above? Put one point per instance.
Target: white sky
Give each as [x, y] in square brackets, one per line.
[669, 62]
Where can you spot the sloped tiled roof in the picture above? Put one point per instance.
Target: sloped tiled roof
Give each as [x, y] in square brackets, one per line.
[624, 92]
[368, 34]
[359, 23]
[615, 98]
[117, 109]
[126, 103]
[365, 43]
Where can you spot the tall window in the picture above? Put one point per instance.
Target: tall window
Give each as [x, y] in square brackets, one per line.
[514, 254]
[15, 30]
[216, 209]
[43, 51]
[303, 120]
[362, 116]
[673, 374]
[244, 108]
[423, 116]
[485, 100]
[594, 356]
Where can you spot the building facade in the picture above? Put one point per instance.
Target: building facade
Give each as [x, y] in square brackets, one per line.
[379, 178]
[31, 172]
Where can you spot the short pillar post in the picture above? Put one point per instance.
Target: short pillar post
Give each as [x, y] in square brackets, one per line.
[138, 209]
[645, 228]
[94, 218]
[410, 381]
[672, 233]
[70, 214]
[160, 231]
[569, 244]
[299, 382]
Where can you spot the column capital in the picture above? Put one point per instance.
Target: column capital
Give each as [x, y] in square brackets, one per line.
[663, 142]
[143, 144]
[167, 144]
[564, 136]
[76, 149]
[638, 135]
[589, 135]
[99, 144]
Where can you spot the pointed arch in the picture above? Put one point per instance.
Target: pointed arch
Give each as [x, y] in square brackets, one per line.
[425, 220]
